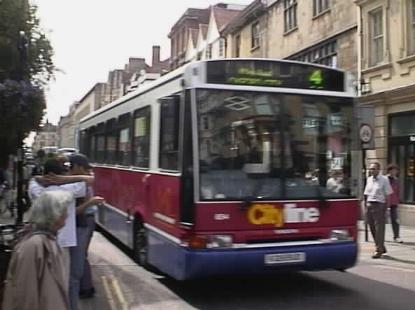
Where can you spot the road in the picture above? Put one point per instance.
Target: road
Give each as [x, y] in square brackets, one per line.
[373, 284]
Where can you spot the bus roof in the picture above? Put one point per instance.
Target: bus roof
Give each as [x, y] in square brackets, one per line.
[142, 89]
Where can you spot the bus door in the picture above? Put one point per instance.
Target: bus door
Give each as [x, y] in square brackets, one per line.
[164, 187]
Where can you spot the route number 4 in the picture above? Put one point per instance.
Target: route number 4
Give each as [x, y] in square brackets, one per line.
[316, 79]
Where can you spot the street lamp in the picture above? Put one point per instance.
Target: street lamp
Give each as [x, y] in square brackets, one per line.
[23, 55]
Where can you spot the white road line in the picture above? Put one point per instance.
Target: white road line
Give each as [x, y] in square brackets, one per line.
[396, 268]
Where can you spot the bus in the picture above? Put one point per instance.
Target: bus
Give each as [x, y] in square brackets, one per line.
[222, 168]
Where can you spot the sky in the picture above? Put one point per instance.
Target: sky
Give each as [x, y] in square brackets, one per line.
[92, 37]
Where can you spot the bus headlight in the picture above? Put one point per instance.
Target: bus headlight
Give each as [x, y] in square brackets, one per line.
[209, 241]
[340, 235]
[220, 241]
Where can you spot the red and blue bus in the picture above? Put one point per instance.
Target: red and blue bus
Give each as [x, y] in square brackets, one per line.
[222, 167]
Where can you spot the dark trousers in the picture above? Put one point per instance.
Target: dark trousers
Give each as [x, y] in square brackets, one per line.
[394, 221]
[376, 216]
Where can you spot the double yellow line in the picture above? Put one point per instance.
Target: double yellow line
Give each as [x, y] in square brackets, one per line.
[114, 293]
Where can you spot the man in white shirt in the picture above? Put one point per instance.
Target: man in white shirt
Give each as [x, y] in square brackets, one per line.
[66, 237]
[376, 192]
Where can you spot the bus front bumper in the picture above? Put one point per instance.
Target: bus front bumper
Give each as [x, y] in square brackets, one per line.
[183, 263]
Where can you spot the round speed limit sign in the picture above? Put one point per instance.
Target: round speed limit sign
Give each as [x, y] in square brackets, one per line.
[365, 133]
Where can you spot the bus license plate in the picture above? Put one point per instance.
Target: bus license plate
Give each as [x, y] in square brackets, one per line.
[284, 258]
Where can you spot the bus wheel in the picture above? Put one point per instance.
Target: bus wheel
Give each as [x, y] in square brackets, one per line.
[140, 243]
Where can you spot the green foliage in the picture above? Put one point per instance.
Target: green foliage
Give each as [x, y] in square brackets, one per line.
[16, 16]
[24, 72]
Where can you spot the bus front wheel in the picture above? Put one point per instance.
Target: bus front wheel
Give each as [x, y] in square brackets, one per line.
[140, 243]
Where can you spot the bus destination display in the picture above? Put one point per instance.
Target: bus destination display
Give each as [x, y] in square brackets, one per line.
[274, 74]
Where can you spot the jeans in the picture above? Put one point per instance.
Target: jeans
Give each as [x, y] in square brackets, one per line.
[86, 280]
[77, 265]
[394, 221]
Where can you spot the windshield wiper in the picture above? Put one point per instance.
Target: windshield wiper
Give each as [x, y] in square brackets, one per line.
[246, 202]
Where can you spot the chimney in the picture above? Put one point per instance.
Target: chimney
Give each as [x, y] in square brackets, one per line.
[156, 55]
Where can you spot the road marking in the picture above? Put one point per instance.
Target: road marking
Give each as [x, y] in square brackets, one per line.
[395, 268]
[108, 293]
[119, 294]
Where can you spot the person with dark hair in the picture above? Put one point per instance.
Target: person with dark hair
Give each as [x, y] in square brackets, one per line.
[53, 166]
[393, 201]
[376, 192]
[36, 278]
[85, 226]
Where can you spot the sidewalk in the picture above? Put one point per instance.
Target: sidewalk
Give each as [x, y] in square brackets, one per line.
[398, 255]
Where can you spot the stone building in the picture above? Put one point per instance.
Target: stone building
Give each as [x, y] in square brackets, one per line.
[207, 43]
[317, 31]
[147, 73]
[45, 136]
[387, 63]
[187, 25]
[115, 86]
[246, 34]
[65, 132]
[66, 128]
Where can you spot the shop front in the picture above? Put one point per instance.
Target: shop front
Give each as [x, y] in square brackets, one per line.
[401, 151]
[394, 137]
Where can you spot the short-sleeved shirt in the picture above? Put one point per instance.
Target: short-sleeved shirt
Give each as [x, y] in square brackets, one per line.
[67, 234]
[377, 189]
[91, 210]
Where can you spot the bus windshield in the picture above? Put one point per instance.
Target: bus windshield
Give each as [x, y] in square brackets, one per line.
[255, 145]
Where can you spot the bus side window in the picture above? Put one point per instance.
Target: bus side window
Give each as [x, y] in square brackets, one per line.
[100, 143]
[89, 145]
[93, 147]
[141, 137]
[124, 139]
[111, 136]
[169, 133]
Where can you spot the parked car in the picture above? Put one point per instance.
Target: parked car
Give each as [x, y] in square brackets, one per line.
[50, 149]
[67, 151]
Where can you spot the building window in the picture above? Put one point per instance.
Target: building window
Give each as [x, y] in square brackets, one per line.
[324, 54]
[290, 15]
[411, 27]
[222, 46]
[319, 6]
[209, 51]
[238, 46]
[255, 35]
[376, 36]
[205, 123]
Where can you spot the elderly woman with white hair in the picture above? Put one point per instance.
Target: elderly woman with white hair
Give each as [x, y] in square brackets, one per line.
[37, 279]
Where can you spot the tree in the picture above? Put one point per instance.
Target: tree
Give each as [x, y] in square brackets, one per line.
[24, 72]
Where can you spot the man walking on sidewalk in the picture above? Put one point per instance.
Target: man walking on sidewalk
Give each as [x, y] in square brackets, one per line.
[376, 192]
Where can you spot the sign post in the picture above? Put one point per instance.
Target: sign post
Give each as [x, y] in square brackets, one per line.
[366, 136]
